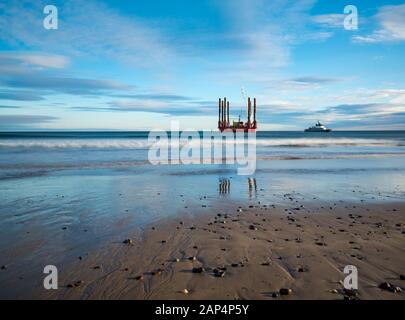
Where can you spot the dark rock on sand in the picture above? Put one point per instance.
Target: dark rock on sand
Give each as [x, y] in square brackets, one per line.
[76, 284]
[385, 286]
[350, 292]
[389, 287]
[127, 241]
[285, 291]
[219, 272]
[197, 270]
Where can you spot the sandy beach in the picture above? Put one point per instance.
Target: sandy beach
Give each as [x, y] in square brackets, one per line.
[248, 253]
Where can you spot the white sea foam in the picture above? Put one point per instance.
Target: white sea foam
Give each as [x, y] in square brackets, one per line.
[111, 143]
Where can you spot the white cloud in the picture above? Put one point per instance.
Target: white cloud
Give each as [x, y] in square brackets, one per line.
[392, 26]
[37, 60]
[85, 28]
[302, 83]
[334, 20]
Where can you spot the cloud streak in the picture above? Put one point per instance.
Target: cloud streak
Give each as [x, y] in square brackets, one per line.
[23, 122]
[391, 20]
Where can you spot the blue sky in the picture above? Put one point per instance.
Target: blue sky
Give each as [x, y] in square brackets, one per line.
[133, 65]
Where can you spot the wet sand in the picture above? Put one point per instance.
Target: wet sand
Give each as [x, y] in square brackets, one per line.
[247, 253]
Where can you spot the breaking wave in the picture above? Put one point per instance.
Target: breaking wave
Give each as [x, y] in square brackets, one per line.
[145, 144]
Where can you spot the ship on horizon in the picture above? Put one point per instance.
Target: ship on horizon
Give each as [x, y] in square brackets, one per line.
[318, 127]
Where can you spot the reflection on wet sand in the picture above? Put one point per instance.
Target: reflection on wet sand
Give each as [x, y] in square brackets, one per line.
[224, 186]
[252, 187]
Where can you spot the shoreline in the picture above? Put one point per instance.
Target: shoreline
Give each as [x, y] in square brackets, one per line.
[263, 249]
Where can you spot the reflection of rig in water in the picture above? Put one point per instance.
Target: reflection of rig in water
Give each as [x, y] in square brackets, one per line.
[224, 121]
[252, 187]
[224, 187]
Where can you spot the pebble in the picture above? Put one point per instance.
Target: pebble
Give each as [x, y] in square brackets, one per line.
[285, 291]
[139, 277]
[127, 241]
[185, 291]
[350, 292]
[389, 287]
[219, 272]
[158, 272]
[4, 267]
[197, 270]
[385, 286]
[76, 284]
[252, 227]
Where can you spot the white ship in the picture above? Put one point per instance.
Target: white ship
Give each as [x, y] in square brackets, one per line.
[318, 127]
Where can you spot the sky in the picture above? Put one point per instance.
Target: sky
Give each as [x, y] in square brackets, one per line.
[139, 65]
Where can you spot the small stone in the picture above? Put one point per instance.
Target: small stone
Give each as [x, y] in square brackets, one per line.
[78, 283]
[127, 241]
[177, 260]
[285, 291]
[4, 267]
[219, 272]
[350, 292]
[96, 267]
[275, 295]
[402, 277]
[385, 286]
[192, 258]
[158, 272]
[197, 270]
[252, 227]
[139, 277]
[334, 291]
[185, 291]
